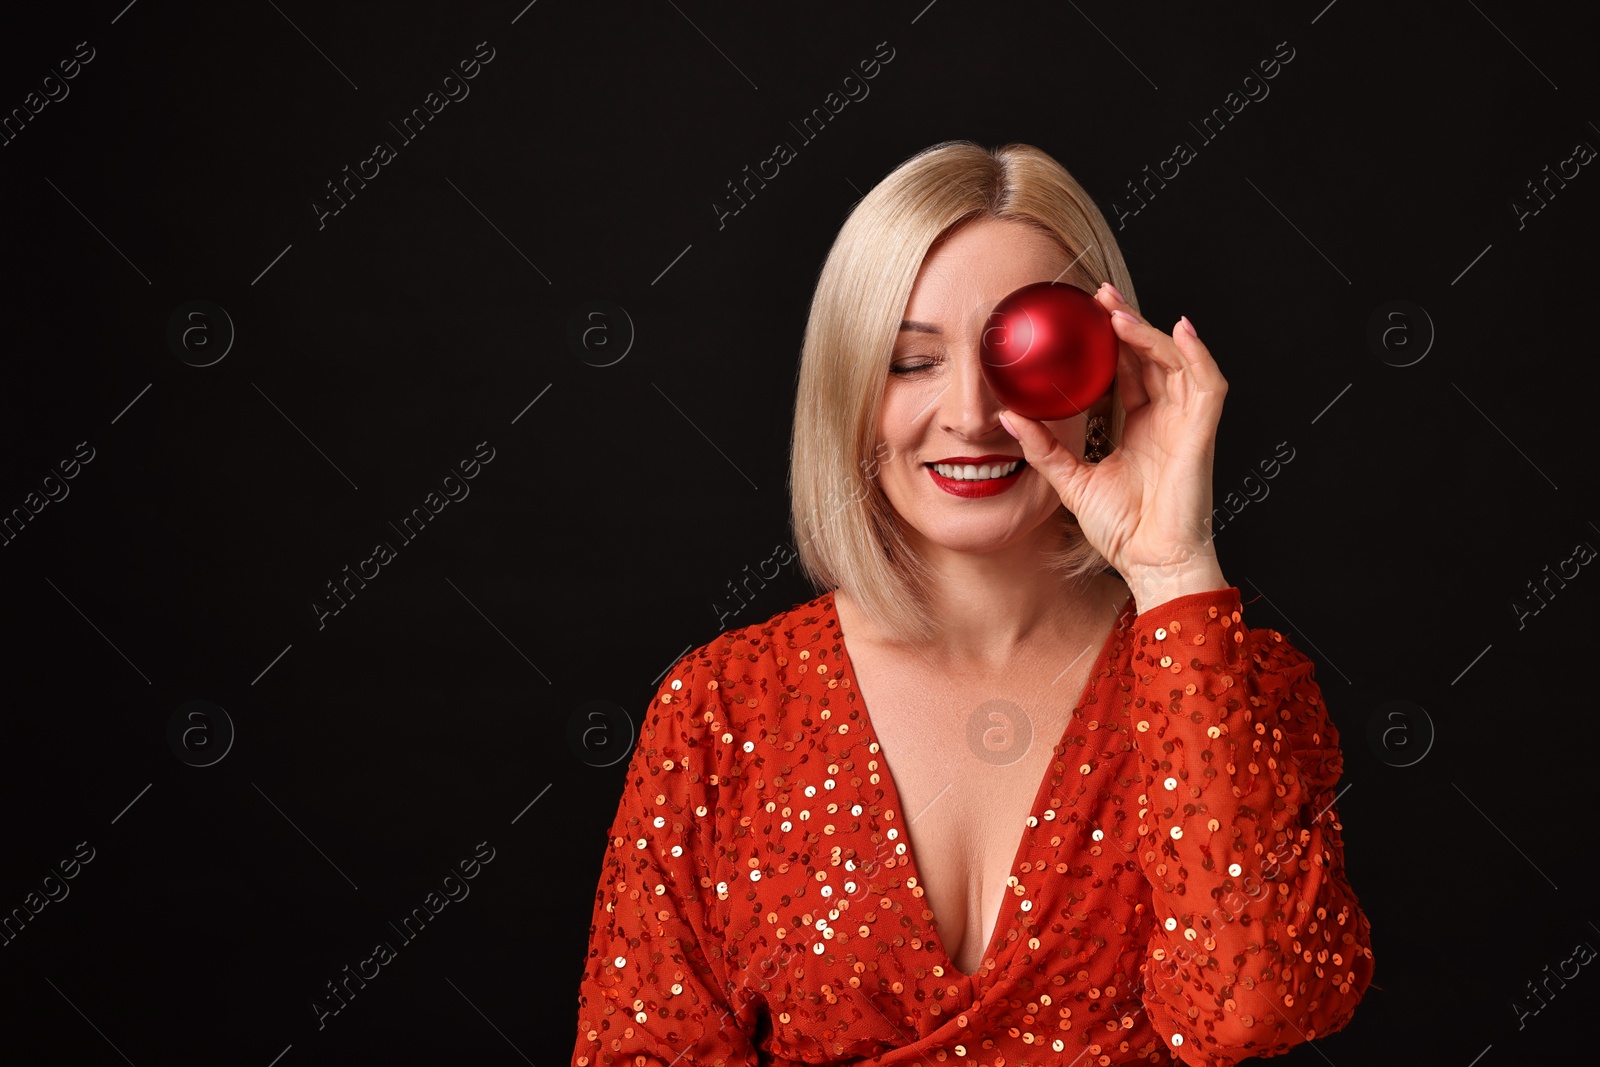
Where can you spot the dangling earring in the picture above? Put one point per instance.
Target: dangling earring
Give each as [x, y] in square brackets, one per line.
[1096, 441]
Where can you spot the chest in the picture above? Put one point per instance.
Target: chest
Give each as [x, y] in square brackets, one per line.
[967, 757]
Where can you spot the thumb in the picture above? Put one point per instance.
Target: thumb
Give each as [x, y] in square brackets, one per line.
[1046, 454]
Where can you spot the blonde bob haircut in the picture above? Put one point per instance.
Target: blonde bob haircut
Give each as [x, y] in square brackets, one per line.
[848, 534]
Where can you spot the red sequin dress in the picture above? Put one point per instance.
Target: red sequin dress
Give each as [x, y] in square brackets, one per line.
[1178, 894]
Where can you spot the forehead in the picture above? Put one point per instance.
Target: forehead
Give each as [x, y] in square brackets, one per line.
[971, 269]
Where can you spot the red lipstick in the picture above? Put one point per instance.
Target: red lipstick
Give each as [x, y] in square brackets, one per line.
[977, 488]
[978, 461]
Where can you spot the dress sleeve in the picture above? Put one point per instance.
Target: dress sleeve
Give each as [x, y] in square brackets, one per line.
[654, 986]
[1259, 942]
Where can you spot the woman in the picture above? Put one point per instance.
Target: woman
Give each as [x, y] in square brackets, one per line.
[1163, 883]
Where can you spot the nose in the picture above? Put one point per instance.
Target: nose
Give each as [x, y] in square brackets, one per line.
[969, 409]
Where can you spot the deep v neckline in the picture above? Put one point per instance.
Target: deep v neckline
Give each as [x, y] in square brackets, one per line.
[892, 790]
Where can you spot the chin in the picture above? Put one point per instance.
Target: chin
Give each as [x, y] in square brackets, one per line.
[977, 536]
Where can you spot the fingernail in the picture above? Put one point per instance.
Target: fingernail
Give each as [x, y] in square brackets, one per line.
[1189, 326]
[1114, 292]
[1120, 314]
[1007, 425]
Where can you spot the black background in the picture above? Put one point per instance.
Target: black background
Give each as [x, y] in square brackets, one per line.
[374, 353]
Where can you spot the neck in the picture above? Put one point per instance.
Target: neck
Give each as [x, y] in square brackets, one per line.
[991, 607]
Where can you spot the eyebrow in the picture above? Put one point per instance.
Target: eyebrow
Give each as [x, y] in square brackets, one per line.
[920, 327]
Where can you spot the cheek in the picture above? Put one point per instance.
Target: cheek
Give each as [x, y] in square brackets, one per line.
[900, 407]
[900, 471]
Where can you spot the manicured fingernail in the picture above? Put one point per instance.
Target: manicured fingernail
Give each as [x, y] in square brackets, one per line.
[1007, 425]
[1189, 326]
[1120, 314]
[1114, 292]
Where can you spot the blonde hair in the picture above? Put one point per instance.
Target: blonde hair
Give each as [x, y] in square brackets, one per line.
[847, 531]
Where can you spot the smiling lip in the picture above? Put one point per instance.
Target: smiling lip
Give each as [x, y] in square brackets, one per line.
[977, 461]
[986, 487]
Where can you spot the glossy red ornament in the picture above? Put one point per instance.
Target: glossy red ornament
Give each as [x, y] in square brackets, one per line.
[1049, 350]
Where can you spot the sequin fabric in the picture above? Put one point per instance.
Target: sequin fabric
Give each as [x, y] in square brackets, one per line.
[1179, 894]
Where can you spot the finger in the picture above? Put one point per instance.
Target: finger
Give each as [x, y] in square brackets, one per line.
[1108, 298]
[1129, 387]
[1206, 372]
[1046, 454]
[1159, 378]
[1155, 353]
[1130, 368]
[1147, 341]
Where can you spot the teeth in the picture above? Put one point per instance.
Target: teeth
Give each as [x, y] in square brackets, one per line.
[970, 473]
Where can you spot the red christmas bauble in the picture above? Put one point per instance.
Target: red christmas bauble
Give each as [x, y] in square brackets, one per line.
[1049, 350]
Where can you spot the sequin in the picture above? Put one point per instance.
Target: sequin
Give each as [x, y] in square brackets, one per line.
[731, 927]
